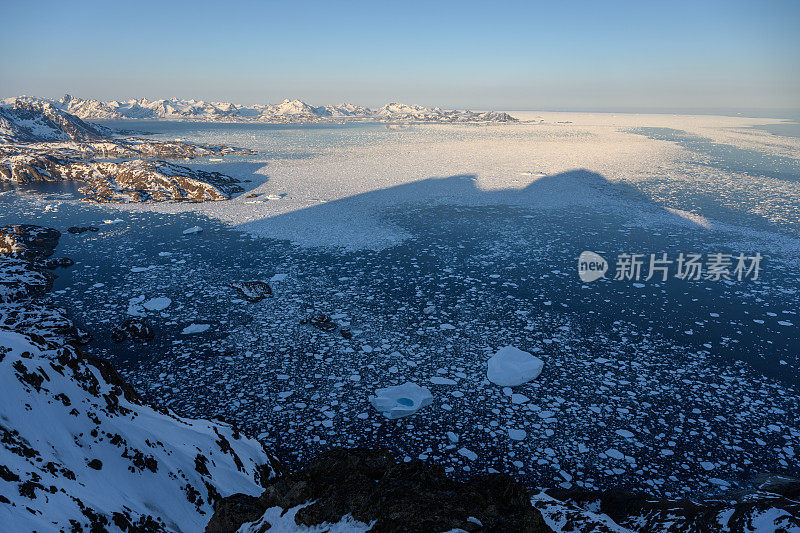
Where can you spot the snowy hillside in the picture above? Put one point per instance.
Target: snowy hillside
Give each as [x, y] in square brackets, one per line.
[42, 121]
[80, 449]
[286, 111]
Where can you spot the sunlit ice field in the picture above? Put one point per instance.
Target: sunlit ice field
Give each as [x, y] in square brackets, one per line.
[436, 245]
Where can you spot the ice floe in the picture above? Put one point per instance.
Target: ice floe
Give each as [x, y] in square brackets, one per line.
[511, 366]
[401, 400]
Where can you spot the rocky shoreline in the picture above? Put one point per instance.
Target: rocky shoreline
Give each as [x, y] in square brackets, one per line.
[40, 142]
[81, 449]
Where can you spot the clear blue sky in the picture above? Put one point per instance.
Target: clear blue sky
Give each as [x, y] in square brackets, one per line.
[488, 54]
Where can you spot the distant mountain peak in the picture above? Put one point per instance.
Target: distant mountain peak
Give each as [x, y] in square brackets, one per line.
[289, 110]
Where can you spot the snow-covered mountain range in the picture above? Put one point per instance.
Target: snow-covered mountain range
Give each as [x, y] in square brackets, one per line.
[286, 111]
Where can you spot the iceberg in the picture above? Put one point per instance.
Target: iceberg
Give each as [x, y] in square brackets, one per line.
[401, 400]
[511, 366]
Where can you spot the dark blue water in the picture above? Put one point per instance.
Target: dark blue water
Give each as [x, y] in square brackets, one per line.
[730, 158]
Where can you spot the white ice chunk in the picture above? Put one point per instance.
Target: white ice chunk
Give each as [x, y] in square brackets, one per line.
[511, 366]
[193, 229]
[401, 400]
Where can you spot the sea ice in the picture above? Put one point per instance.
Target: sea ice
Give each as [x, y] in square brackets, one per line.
[193, 229]
[157, 304]
[517, 434]
[401, 400]
[469, 454]
[195, 328]
[511, 366]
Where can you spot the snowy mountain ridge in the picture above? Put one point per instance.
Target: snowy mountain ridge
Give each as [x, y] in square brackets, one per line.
[287, 111]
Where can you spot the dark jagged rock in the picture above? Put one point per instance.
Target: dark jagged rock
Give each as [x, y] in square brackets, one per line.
[27, 241]
[81, 336]
[135, 329]
[60, 262]
[321, 321]
[644, 513]
[252, 291]
[75, 230]
[371, 486]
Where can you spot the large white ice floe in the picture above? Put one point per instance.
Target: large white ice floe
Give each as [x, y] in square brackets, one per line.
[511, 366]
[401, 400]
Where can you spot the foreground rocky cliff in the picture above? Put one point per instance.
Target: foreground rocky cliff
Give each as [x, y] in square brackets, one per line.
[41, 142]
[81, 451]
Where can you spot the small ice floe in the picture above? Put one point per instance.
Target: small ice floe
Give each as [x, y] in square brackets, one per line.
[192, 230]
[195, 328]
[444, 327]
[215, 159]
[469, 454]
[141, 269]
[135, 307]
[401, 400]
[279, 277]
[438, 380]
[511, 366]
[157, 304]
[114, 221]
[164, 254]
[517, 434]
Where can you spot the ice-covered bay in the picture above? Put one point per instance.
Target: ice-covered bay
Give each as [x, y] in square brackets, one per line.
[649, 387]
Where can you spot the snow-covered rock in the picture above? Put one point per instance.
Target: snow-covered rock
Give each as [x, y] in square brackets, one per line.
[401, 400]
[511, 366]
[79, 448]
